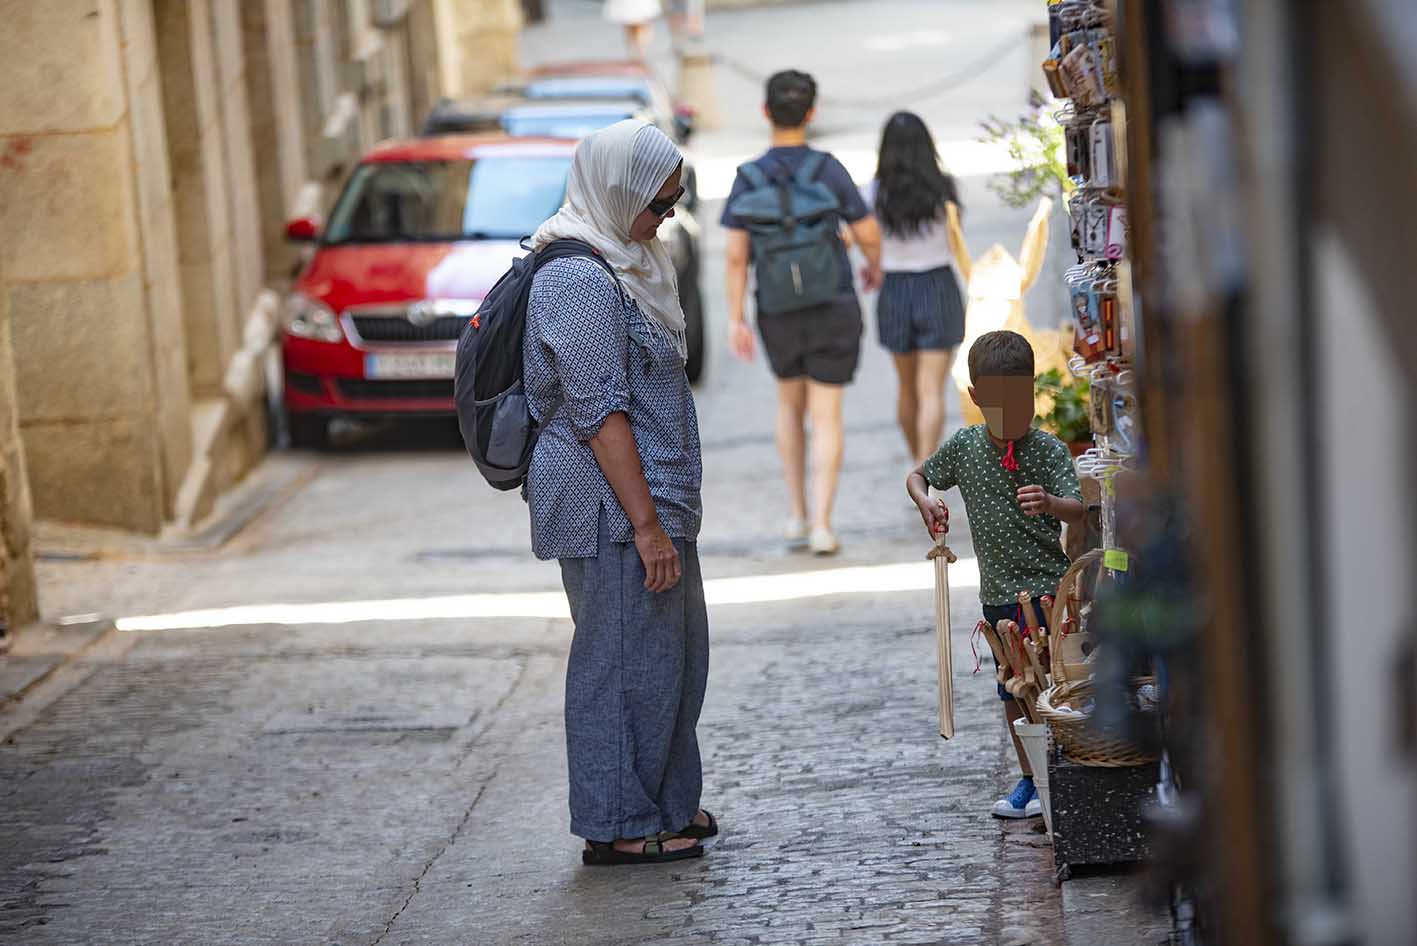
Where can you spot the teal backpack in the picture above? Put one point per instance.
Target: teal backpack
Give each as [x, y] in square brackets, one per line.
[792, 226]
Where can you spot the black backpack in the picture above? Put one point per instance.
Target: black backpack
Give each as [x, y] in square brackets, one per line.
[496, 422]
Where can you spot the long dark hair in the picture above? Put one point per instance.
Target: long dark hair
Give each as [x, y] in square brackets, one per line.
[912, 186]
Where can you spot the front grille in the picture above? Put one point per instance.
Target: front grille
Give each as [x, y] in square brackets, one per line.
[393, 328]
[307, 383]
[439, 389]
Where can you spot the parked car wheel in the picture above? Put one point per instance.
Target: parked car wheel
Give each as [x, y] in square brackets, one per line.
[693, 303]
[308, 431]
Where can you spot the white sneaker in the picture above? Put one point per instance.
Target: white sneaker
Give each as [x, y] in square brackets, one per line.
[823, 542]
[796, 533]
[1022, 802]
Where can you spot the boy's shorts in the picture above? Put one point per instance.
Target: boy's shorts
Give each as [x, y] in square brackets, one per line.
[994, 613]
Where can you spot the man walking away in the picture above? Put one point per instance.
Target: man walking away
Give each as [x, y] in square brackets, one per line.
[785, 214]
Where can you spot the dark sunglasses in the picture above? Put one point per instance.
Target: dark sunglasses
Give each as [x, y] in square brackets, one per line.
[661, 207]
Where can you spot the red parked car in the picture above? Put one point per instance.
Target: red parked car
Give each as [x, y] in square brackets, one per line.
[421, 232]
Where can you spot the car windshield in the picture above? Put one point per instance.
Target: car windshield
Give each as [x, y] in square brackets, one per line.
[561, 124]
[596, 87]
[443, 201]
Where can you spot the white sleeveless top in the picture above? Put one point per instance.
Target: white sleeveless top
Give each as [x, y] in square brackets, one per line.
[929, 249]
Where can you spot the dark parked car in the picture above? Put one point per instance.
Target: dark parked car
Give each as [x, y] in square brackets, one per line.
[551, 118]
[572, 99]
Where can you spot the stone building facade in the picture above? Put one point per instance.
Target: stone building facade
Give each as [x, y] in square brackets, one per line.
[150, 153]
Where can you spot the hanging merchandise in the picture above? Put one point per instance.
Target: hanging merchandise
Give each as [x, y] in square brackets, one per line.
[1092, 297]
[1082, 71]
[1100, 148]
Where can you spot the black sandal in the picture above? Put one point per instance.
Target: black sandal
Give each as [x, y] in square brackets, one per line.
[652, 851]
[700, 831]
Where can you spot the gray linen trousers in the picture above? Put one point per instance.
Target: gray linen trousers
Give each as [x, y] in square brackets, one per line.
[634, 688]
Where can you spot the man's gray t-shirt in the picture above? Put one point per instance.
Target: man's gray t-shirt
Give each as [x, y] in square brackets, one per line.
[779, 162]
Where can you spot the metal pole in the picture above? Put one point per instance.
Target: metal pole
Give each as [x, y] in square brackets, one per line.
[696, 86]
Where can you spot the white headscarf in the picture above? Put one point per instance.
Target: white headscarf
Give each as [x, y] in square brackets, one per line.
[615, 174]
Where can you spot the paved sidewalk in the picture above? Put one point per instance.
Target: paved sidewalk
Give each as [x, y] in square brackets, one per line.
[352, 785]
[39, 650]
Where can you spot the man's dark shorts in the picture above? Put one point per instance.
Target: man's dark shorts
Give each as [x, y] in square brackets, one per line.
[822, 343]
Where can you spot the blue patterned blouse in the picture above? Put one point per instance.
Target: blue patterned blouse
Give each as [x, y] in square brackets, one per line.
[590, 352]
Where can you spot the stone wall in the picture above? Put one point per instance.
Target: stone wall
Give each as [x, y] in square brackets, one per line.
[18, 599]
[479, 38]
[85, 218]
[151, 152]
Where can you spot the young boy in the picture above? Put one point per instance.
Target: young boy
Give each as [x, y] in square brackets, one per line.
[1019, 487]
[813, 351]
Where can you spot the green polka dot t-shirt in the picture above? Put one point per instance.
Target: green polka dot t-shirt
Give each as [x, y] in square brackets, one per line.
[1016, 552]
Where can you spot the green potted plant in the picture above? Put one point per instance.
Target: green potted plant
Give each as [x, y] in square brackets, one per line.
[1035, 144]
[1064, 403]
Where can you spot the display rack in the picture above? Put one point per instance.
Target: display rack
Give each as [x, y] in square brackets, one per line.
[1096, 803]
[1082, 73]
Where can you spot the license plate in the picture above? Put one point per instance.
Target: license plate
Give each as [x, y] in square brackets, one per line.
[409, 365]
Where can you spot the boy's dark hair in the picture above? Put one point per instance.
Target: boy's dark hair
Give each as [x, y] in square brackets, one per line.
[1000, 353]
[790, 96]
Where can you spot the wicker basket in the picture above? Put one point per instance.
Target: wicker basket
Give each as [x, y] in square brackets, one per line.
[1073, 731]
[1066, 655]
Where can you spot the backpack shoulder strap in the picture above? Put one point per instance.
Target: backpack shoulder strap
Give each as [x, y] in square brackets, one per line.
[807, 171]
[754, 174]
[566, 248]
[563, 248]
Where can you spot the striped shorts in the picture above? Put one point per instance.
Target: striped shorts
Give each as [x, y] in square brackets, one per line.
[920, 311]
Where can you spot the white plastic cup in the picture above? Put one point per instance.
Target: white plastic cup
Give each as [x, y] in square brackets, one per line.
[1034, 737]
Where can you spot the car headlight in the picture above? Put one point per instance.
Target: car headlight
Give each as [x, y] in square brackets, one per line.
[306, 318]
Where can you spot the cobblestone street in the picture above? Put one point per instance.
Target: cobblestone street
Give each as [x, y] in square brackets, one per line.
[367, 787]
[355, 782]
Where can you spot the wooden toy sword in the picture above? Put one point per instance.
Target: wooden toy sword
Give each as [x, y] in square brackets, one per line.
[942, 557]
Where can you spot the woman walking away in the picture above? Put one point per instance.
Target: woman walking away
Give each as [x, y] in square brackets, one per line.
[637, 17]
[919, 313]
[614, 492]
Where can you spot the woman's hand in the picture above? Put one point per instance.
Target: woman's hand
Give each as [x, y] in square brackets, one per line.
[740, 339]
[660, 558]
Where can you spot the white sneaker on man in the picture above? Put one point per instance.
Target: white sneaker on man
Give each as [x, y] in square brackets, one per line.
[822, 542]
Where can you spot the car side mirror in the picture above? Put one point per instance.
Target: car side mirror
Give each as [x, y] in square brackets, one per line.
[303, 229]
[683, 124]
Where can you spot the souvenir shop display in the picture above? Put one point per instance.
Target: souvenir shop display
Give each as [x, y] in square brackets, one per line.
[1091, 780]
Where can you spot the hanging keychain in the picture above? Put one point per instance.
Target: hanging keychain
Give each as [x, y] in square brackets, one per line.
[1100, 153]
[1076, 213]
[1088, 340]
[1077, 147]
[1115, 242]
[1105, 290]
[1099, 407]
[1124, 411]
[1094, 234]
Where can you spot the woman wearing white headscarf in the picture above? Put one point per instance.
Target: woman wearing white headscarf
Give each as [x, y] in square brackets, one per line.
[614, 492]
